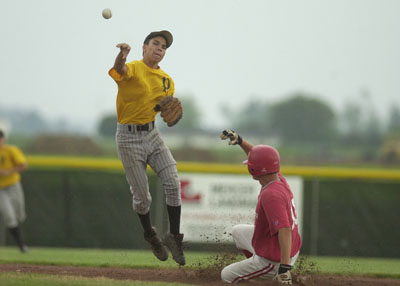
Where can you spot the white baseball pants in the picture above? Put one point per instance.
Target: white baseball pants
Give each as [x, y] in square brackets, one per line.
[12, 205]
[253, 267]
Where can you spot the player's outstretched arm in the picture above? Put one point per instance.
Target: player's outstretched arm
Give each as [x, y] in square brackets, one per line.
[120, 60]
[246, 146]
[236, 139]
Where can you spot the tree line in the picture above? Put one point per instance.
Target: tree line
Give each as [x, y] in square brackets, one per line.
[300, 118]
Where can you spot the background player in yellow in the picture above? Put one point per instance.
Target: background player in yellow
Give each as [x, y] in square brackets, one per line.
[12, 204]
[141, 86]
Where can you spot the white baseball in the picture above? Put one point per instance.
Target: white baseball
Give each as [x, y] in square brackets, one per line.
[107, 13]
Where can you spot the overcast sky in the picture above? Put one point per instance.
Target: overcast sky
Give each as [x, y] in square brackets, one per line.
[55, 54]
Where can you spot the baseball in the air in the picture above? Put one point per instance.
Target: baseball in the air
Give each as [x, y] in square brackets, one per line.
[106, 13]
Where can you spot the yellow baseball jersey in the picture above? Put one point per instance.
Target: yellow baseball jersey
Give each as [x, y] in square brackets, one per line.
[139, 90]
[10, 156]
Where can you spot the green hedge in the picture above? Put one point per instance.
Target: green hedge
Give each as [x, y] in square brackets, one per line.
[82, 208]
[355, 218]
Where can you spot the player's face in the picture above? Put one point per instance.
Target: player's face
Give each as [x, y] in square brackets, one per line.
[263, 179]
[155, 50]
[257, 178]
[2, 141]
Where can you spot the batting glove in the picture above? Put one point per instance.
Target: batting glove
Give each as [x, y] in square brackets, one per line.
[284, 276]
[234, 138]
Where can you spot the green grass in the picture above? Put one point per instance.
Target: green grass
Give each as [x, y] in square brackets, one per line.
[86, 257]
[93, 257]
[24, 279]
[378, 267]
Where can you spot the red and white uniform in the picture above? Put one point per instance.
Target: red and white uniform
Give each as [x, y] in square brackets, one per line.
[275, 210]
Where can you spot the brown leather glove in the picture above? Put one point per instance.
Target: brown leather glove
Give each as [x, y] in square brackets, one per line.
[171, 110]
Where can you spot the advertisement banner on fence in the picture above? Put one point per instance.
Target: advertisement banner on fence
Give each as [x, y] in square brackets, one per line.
[213, 203]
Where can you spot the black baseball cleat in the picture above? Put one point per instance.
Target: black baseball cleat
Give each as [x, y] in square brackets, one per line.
[157, 247]
[24, 249]
[174, 244]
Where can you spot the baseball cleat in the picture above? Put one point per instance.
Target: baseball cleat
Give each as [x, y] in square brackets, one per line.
[174, 243]
[24, 249]
[157, 247]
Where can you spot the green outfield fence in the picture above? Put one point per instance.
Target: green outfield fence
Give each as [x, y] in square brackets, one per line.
[85, 202]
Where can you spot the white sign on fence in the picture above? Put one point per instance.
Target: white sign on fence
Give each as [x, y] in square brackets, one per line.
[213, 203]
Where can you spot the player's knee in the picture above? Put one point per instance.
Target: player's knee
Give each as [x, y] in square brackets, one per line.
[172, 188]
[172, 183]
[9, 219]
[12, 223]
[226, 275]
[237, 231]
[141, 205]
[173, 194]
[169, 177]
[141, 209]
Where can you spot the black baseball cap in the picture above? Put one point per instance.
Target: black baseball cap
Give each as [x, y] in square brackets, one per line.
[164, 33]
[1, 133]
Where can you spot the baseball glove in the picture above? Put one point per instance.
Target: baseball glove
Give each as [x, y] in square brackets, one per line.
[283, 276]
[171, 110]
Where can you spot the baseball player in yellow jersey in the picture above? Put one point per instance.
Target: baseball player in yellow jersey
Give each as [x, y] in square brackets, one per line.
[12, 205]
[141, 86]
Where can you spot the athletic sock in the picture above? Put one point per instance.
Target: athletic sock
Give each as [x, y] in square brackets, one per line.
[16, 233]
[146, 223]
[174, 215]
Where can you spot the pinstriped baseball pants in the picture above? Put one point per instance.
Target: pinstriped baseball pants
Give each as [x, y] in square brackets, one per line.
[136, 149]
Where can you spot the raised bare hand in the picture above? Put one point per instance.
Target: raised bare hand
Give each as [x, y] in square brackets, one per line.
[125, 49]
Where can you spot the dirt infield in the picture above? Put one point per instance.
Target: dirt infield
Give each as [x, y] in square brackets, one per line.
[183, 275]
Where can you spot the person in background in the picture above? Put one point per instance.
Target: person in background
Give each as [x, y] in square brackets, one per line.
[12, 202]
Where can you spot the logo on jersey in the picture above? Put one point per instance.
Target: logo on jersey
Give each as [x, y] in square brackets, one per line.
[166, 83]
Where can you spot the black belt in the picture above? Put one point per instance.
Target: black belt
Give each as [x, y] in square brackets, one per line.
[144, 127]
